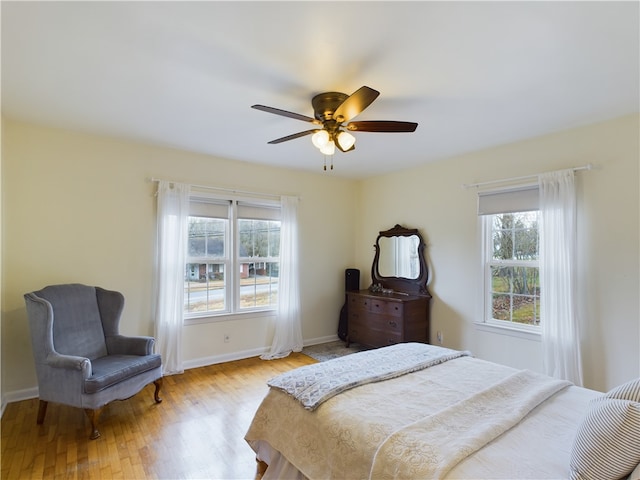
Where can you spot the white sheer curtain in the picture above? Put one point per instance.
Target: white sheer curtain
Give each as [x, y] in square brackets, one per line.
[405, 256]
[288, 332]
[173, 211]
[560, 333]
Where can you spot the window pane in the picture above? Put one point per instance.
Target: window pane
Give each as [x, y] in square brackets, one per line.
[216, 288]
[501, 307]
[519, 280]
[515, 236]
[206, 237]
[258, 284]
[502, 237]
[526, 235]
[274, 239]
[215, 244]
[204, 287]
[515, 294]
[245, 230]
[501, 279]
[526, 309]
[526, 281]
[259, 238]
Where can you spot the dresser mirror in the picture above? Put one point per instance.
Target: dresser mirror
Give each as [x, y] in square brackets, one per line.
[399, 262]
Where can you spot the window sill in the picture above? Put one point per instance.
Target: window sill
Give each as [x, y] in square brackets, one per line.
[226, 317]
[510, 331]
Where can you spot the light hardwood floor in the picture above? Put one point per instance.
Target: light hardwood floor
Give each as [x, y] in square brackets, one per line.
[196, 432]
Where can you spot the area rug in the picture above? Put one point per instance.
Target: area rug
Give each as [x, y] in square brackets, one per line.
[326, 351]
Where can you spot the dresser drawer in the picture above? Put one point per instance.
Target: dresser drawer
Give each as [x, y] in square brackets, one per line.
[385, 307]
[384, 323]
[376, 322]
[357, 316]
[370, 336]
[357, 302]
[384, 338]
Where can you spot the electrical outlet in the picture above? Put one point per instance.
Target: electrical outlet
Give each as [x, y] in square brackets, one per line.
[226, 338]
[439, 337]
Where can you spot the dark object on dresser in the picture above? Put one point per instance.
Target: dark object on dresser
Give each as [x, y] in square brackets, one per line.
[351, 283]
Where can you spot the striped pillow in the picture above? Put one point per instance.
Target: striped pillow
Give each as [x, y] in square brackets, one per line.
[628, 391]
[607, 443]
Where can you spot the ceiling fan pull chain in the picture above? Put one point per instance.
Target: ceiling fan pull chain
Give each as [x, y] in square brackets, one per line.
[325, 162]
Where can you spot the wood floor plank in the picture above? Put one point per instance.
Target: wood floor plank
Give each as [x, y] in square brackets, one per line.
[196, 432]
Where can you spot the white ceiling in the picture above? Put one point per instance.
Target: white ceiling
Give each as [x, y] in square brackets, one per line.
[184, 74]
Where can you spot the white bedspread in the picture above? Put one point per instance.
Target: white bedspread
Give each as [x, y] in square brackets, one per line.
[431, 447]
[313, 384]
[341, 438]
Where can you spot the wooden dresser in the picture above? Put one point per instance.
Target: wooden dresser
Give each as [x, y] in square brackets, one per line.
[377, 319]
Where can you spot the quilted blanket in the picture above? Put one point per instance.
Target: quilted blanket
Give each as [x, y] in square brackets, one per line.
[313, 384]
[361, 433]
[432, 446]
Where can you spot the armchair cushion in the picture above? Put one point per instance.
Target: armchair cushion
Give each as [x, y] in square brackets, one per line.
[113, 369]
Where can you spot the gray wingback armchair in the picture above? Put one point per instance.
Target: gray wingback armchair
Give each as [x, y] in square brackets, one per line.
[81, 359]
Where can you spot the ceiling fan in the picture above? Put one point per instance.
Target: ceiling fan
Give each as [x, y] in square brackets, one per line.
[333, 112]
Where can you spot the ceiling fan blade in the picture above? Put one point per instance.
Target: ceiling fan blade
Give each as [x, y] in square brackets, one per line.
[382, 126]
[284, 113]
[355, 103]
[294, 136]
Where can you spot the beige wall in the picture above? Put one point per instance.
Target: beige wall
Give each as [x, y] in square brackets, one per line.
[77, 208]
[432, 198]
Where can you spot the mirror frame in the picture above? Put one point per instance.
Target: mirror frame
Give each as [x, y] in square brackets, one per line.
[417, 286]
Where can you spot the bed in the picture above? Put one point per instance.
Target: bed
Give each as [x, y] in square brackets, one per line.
[421, 411]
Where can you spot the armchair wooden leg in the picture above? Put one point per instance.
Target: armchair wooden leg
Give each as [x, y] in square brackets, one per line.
[42, 411]
[156, 394]
[260, 469]
[93, 418]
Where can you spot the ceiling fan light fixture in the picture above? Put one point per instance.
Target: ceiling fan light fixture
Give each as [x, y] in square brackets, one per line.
[333, 113]
[329, 148]
[320, 138]
[346, 140]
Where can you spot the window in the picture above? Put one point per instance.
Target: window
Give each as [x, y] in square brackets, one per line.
[512, 267]
[510, 256]
[232, 257]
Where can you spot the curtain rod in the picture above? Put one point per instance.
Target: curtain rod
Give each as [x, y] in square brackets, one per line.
[524, 177]
[228, 190]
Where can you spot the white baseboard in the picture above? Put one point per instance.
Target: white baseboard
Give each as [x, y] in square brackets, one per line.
[28, 393]
[225, 357]
[319, 340]
[255, 352]
[18, 396]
